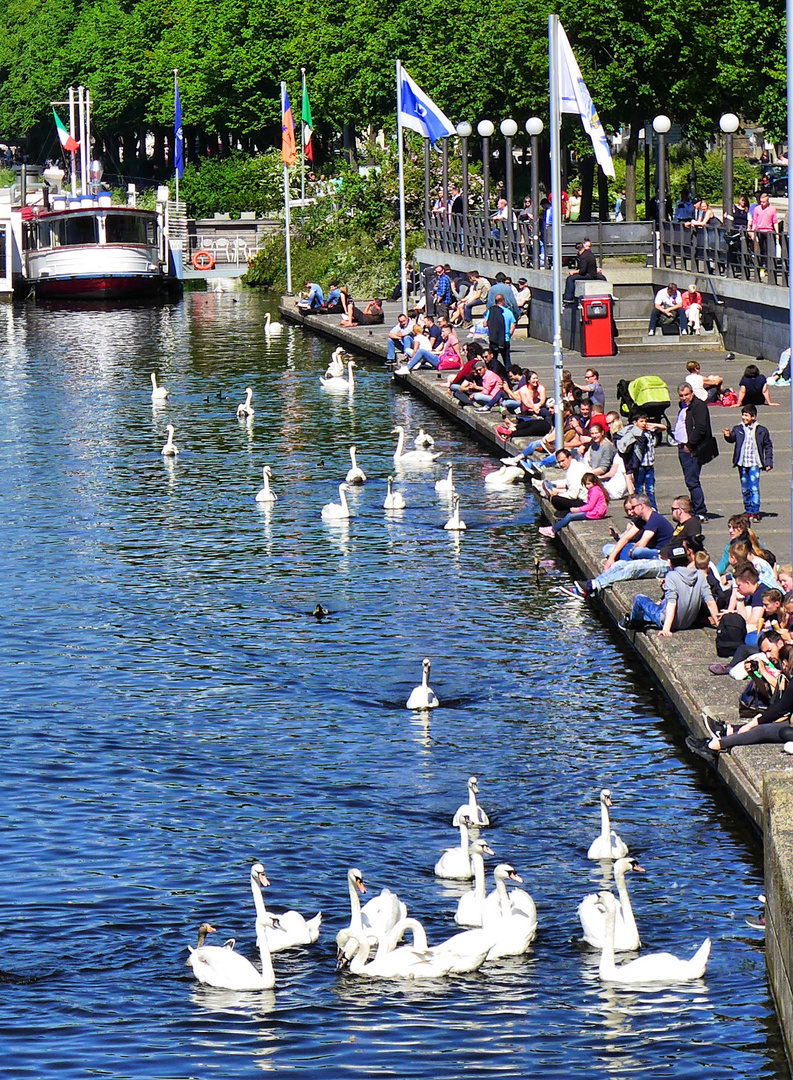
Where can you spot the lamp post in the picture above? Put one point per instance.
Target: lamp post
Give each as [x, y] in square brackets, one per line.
[485, 128]
[661, 126]
[534, 128]
[729, 125]
[464, 130]
[509, 130]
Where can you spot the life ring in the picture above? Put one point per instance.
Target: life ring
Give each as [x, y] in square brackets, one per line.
[203, 260]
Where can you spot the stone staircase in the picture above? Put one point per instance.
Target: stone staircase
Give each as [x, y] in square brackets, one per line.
[634, 302]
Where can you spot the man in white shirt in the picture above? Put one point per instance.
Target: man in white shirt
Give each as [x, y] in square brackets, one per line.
[668, 301]
[571, 494]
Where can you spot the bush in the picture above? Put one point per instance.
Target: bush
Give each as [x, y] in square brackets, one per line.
[231, 185]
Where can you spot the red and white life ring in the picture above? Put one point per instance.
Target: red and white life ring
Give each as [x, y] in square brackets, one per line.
[203, 260]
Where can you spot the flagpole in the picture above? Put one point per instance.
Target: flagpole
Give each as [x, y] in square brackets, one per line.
[287, 220]
[73, 152]
[176, 168]
[302, 141]
[556, 220]
[403, 267]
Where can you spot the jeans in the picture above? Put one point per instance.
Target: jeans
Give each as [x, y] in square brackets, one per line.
[468, 309]
[631, 551]
[633, 570]
[644, 480]
[560, 524]
[485, 399]
[424, 356]
[403, 343]
[651, 611]
[680, 315]
[750, 488]
[691, 470]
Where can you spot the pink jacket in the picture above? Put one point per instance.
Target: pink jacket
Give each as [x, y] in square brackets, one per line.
[595, 506]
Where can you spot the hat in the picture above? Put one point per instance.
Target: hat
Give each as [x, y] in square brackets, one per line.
[678, 555]
[522, 281]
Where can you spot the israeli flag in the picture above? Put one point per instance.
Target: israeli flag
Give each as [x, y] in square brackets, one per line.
[574, 98]
[417, 111]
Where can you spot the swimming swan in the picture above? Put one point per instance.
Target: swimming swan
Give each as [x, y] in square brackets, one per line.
[377, 918]
[403, 963]
[445, 486]
[593, 915]
[290, 929]
[356, 475]
[654, 968]
[228, 970]
[470, 905]
[271, 327]
[455, 522]
[158, 393]
[512, 918]
[170, 449]
[423, 696]
[471, 811]
[423, 439]
[410, 457]
[608, 845]
[505, 477]
[394, 500]
[340, 385]
[265, 494]
[339, 511]
[455, 863]
[244, 409]
[335, 368]
[461, 953]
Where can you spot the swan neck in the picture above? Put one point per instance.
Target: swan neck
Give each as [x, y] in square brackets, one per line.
[400, 443]
[625, 900]
[607, 956]
[479, 875]
[605, 822]
[356, 920]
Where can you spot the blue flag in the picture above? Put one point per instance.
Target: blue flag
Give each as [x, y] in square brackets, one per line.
[178, 134]
[419, 112]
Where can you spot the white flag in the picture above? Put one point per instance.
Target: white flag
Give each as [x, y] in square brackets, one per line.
[575, 98]
[417, 111]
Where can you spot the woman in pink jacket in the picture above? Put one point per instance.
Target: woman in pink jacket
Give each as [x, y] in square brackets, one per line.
[595, 507]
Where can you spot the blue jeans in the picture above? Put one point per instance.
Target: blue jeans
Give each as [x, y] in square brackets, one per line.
[651, 611]
[644, 480]
[631, 551]
[485, 399]
[750, 488]
[682, 321]
[468, 309]
[424, 356]
[560, 524]
[403, 343]
[691, 470]
[632, 570]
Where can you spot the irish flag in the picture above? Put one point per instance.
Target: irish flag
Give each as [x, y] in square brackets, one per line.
[308, 123]
[67, 142]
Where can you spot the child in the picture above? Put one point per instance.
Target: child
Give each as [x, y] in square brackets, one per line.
[636, 446]
[773, 613]
[595, 507]
[753, 451]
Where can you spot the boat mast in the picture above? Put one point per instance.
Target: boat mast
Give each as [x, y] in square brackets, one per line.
[83, 159]
[72, 133]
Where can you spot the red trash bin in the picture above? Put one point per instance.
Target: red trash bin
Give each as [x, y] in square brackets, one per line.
[597, 333]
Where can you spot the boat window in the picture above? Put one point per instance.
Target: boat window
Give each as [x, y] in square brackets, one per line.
[68, 232]
[127, 229]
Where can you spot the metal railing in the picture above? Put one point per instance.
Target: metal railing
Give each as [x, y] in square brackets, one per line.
[722, 251]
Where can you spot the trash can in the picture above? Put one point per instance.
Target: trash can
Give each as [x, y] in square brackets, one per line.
[597, 326]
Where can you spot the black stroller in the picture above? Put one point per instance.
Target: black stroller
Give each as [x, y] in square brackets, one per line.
[650, 394]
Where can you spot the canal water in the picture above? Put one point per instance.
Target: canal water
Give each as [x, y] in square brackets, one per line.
[171, 713]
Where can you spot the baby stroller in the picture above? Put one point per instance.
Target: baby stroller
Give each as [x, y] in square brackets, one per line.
[650, 394]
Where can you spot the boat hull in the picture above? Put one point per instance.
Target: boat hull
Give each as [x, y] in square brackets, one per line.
[101, 287]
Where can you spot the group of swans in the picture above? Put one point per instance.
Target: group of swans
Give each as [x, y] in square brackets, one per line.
[337, 384]
[335, 369]
[417, 458]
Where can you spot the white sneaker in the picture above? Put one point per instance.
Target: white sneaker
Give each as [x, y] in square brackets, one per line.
[403, 370]
[516, 460]
[651, 333]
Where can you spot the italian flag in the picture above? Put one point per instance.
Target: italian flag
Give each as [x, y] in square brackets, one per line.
[308, 124]
[67, 142]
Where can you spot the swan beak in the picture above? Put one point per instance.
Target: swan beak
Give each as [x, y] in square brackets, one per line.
[638, 869]
[263, 879]
[341, 961]
[360, 887]
[516, 877]
[487, 850]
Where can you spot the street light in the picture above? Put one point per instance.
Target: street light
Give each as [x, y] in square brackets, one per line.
[509, 130]
[661, 126]
[728, 123]
[464, 130]
[486, 129]
[534, 128]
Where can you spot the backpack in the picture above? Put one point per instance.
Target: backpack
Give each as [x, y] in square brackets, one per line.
[625, 443]
[730, 634]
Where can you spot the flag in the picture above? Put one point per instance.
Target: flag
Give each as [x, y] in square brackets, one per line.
[417, 111]
[178, 133]
[308, 124]
[575, 99]
[67, 142]
[288, 151]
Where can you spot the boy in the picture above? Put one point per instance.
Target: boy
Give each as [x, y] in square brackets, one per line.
[753, 451]
[636, 446]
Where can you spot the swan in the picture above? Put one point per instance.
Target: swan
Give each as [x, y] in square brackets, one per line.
[356, 475]
[339, 511]
[225, 969]
[469, 906]
[608, 845]
[593, 916]
[471, 810]
[410, 457]
[336, 366]
[265, 495]
[455, 863]
[404, 963]
[170, 449]
[461, 953]
[394, 500]
[500, 902]
[423, 439]
[445, 486]
[512, 918]
[289, 929]
[158, 393]
[340, 385]
[377, 918]
[505, 477]
[423, 696]
[653, 968]
[271, 327]
[455, 522]
[244, 410]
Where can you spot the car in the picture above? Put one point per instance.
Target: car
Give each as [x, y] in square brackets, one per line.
[774, 180]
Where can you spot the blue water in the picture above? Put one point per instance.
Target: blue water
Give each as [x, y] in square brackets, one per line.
[170, 714]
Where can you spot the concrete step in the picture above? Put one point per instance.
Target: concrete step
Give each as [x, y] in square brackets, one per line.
[705, 342]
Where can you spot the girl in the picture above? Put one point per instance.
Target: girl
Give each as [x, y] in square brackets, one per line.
[595, 507]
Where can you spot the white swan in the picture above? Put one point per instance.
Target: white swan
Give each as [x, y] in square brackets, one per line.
[158, 393]
[608, 845]
[471, 810]
[244, 409]
[461, 953]
[266, 494]
[512, 918]
[170, 449]
[505, 477]
[377, 918]
[356, 475]
[335, 368]
[455, 522]
[593, 916]
[394, 500]
[654, 968]
[445, 486]
[339, 511]
[406, 962]
[289, 928]
[470, 905]
[423, 696]
[225, 969]
[410, 457]
[271, 327]
[340, 385]
[423, 439]
[455, 863]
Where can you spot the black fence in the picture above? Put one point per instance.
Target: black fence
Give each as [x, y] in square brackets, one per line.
[726, 252]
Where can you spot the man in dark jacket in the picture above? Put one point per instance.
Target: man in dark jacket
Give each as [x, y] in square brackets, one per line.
[695, 445]
[752, 452]
[587, 269]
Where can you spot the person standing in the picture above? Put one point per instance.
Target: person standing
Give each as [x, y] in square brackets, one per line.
[765, 222]
[753, 451]
[695, 445]
[500, 321]
[443, 292]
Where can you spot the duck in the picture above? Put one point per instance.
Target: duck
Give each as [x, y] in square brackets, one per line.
[662, 968]
[512, 917]
[423, 696]
[339, 511]
[287, 929]
[170, 449]
[470, 905]
[244, 409]
[505, 477]
[593, 916]
[158, 393]
[455, 863]
[356, 475]
[455, 522]
[423, 440]
[608, 845]
[471, 810]
[377, 918]
[225, 969]
[271, 327]
[335, 368]
[340, 385]
[319, 613]
[410, 457]
[394, 500]
[445, 486]
[266, 494]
